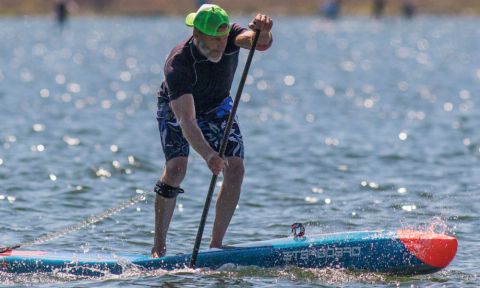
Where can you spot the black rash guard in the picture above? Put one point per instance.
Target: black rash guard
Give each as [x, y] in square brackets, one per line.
[187, 71]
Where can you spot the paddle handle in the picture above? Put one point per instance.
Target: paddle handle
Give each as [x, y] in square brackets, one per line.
[221, 152]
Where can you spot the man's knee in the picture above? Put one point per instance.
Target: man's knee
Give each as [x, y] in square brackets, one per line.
[235, 167]
[175, 170]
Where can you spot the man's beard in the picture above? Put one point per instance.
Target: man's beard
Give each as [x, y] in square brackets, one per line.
[207, 51]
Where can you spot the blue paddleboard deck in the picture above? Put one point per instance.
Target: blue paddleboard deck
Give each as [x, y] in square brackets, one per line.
[388, 251]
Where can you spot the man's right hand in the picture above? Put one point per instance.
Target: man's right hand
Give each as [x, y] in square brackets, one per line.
[215, 163]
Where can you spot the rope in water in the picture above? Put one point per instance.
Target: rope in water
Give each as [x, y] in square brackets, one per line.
[78, 226]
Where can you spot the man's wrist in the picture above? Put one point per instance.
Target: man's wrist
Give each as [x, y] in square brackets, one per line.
[261, 46]
[209, 155]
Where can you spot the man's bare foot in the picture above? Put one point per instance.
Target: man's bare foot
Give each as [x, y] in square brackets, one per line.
[157, 253]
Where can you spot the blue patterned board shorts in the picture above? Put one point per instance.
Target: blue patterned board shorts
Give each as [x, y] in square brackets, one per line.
[212, 126]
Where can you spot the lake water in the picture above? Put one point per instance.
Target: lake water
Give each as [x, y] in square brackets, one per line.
[351, 125]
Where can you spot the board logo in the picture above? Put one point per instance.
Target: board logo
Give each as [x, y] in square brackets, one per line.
[321, 253]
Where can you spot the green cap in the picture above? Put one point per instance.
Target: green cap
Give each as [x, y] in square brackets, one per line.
[208, 19]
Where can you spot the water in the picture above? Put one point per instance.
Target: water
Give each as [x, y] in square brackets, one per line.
[352, 125]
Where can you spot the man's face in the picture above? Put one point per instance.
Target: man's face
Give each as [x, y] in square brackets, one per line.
[212, 47]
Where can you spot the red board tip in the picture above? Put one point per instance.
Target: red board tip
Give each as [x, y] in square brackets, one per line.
[436, 250]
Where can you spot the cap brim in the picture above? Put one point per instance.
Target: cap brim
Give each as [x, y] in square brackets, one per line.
[190, 18]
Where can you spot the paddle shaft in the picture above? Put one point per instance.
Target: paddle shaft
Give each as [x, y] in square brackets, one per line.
[221, 153]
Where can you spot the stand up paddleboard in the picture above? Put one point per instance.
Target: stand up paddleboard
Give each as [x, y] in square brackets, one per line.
[405, 252]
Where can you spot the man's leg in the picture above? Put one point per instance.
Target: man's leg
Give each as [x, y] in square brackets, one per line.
[173, 175]
[227, 199]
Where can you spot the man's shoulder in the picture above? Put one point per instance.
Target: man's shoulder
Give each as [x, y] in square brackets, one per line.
[180, 54]
[237, 28]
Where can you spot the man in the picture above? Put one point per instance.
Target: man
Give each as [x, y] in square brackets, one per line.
[193, 107]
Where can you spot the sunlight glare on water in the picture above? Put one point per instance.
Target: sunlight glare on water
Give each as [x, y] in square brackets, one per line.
[358, 124]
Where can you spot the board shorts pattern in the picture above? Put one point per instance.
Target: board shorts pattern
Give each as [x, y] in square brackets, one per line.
[212, 126]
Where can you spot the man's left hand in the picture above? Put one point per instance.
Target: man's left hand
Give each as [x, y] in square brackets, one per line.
[261, 22]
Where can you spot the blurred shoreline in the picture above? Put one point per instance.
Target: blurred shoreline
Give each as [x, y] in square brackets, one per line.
[248, 7]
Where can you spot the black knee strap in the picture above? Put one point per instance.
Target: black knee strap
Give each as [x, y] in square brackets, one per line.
[166, 190]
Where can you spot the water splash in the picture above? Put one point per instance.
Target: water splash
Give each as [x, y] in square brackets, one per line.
[323, 276]
[439, 225]
[327, 276]
[436, 224]
[143, 277]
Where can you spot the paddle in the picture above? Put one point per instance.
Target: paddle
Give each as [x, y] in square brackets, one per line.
[221, 153]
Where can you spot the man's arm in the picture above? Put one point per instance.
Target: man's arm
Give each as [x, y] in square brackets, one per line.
[262, 23]
[184, 110]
